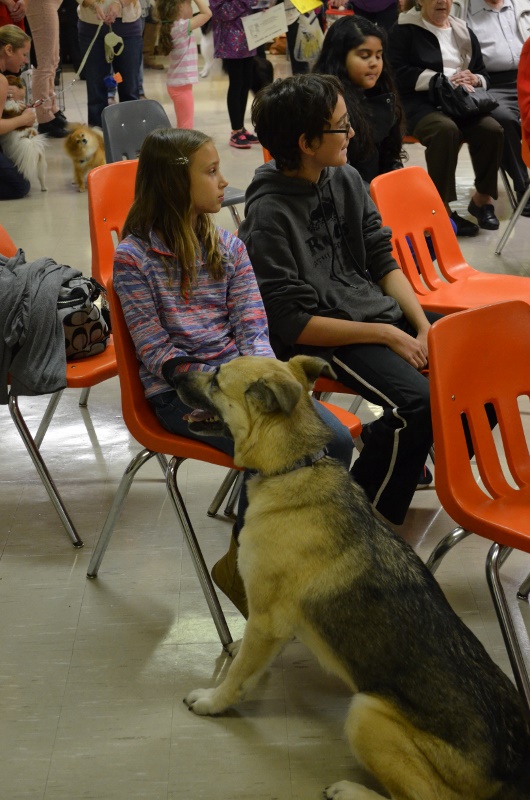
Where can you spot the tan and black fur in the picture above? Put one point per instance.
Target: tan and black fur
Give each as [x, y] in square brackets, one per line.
[85, 147]
[432, 716]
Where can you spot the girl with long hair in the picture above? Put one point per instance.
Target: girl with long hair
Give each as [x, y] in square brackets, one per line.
[353, 51]
[14, 53]
[189, 295]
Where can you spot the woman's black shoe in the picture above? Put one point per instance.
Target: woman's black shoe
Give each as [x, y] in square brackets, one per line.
[463, 226]
[485, 215]
[61, 119]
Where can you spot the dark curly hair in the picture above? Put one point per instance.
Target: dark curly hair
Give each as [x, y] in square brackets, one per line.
[287, 109]
[347, 34]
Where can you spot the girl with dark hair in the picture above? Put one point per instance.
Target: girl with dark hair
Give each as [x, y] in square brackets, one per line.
[189, 295]
[353, 51]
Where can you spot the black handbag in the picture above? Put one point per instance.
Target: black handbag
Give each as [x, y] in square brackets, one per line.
[456, 101]
[86, 326]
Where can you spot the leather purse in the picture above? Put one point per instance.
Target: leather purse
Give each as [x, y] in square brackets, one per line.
[456, 101]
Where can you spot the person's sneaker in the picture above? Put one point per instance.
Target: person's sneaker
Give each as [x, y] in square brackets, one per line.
[251, 139]
[425, 478]
[239, 140]
[463, 226]
[53, 129]
[485, 215]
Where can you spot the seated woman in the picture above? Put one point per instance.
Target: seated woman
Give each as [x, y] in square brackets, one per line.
[423, 43]
[189, 295]
[14, 53]
[353, 51]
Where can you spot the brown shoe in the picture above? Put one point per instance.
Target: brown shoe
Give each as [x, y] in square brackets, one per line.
[150, 63]
[226, 577]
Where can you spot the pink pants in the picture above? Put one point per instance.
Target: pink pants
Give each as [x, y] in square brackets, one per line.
[44, 23]
[182, 97]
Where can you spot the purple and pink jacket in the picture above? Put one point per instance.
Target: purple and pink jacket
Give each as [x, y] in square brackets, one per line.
[219, 321]
[229, 38]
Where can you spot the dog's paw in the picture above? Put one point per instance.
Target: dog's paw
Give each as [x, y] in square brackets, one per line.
[233, 648]
[346, 790]
[44, 188]
[200, 701]
[81, 189]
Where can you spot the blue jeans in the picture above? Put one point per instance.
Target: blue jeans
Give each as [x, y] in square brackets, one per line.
[97, 68]
[170, 410]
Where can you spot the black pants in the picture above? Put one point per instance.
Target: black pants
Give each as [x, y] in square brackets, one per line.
[239, 71]
[504, 89]
[297, 67]
[393, 456]
[384, 18]
[13, 184]
[443, 137]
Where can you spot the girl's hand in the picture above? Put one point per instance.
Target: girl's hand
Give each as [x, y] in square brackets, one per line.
[27, 118]
[113, 11]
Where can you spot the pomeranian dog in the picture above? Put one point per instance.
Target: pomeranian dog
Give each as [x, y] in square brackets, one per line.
[23, 146]
[85, 147]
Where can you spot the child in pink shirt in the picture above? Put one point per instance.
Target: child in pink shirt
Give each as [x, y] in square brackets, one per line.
[177, 41]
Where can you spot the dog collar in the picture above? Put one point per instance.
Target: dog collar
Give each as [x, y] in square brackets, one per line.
[307, 461]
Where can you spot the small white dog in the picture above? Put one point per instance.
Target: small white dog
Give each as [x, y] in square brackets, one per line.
[207, 51]
[24, 146]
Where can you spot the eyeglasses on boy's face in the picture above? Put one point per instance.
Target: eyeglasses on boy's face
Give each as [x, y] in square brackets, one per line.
[345, 130]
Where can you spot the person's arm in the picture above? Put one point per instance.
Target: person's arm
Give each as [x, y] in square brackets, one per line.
[151, 341]
[245, 306]
[408, 77]
[24, 120]
[202, 17]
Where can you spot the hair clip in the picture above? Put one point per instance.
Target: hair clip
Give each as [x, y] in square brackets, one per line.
[182, 161]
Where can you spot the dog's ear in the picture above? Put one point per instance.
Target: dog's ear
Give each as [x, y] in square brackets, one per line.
[312, 367]
[275, 395]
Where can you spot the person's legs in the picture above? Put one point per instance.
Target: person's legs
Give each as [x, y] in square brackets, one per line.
[182, 97]
[297, 67]
[13, 185]
[95, 71]
[239, 71]
[395, 452]
[484, 136]
[385, 18]
[442, 139]
[508, 115]
[44, 23]
[128, 65]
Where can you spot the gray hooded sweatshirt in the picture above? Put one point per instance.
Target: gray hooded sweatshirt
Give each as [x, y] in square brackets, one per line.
[32, 346]
[317, 250]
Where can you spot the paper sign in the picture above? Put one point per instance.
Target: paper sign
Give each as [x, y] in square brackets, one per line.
[305, 6]
[264, 26]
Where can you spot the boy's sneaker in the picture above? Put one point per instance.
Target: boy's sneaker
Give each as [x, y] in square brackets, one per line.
[239, 140]
[251, 139]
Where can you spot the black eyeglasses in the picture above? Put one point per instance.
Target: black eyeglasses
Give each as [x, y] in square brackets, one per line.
[345, 131]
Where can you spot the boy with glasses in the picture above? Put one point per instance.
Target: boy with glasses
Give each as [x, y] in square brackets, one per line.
[330, 284]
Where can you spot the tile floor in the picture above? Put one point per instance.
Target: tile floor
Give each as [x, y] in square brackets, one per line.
[92, 673]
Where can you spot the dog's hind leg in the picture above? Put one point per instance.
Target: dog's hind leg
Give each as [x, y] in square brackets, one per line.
[408, 762]
[41, 173]
[256, 652]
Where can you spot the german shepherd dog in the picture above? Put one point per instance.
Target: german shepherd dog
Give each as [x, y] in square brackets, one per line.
[432, 717]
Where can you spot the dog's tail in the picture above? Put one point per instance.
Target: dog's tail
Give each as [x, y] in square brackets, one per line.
[26, 153]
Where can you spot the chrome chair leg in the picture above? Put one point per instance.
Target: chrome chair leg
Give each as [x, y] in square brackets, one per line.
[196, 554]
[47, 417]
[234, 494]
[443, 547]
[509, 190]
[42, 469]
[223, 490]
[493, 563]
[511, 223]
[115, 510]
[524, 589]
[83, 400]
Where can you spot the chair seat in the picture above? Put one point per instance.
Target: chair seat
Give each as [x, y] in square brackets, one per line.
[474, 291]
[90, 371]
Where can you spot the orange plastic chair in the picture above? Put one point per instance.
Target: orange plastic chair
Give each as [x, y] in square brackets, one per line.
[80, 374]
[459, 286]
[143, 424]
[494, 503]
